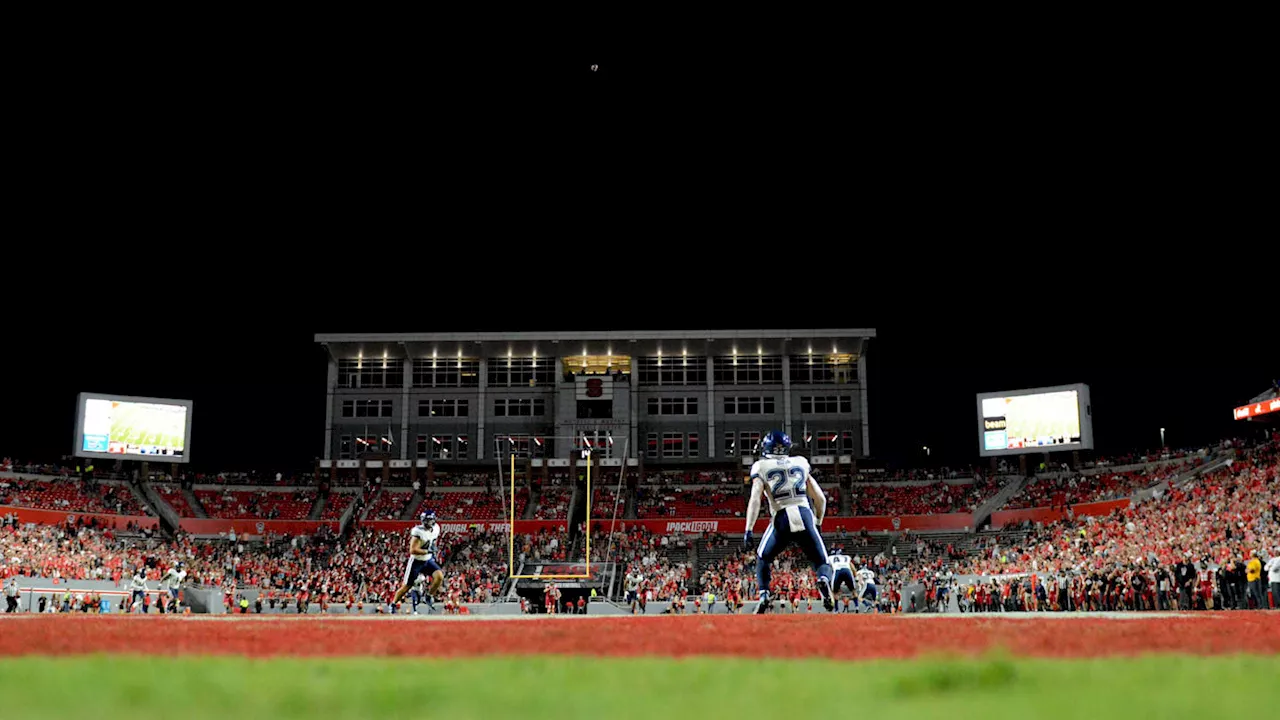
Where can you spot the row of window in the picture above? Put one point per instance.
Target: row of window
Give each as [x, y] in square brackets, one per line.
[443, 408]
[536, 407]
[671, 445]
[826, 404]
[673, 406]
[371, 373]
[748, 406]
[519, 407]
[665, 445]
[366, 408]
[461, 372]
[747, 370]
[538, 372]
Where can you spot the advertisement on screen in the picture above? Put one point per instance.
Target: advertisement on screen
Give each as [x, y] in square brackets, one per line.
[1038, 420]
[133, 428]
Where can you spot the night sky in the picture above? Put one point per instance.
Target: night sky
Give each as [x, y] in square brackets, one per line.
[992, 244]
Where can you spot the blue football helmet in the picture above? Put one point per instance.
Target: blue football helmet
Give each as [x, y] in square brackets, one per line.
[775, 443]
[428, 518]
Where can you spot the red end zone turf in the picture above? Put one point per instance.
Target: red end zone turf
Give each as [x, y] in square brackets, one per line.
[831, 636]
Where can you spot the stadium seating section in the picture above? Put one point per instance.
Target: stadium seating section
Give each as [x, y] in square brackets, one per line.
[243, 504]
[553, 503]
[478, 505]
[335, 505]
[389, 505]
[71, 495]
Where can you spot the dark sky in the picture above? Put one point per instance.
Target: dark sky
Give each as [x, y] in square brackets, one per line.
[999, 234]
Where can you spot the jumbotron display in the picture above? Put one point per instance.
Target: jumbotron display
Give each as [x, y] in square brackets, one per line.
[137, 428]
[1037, 420]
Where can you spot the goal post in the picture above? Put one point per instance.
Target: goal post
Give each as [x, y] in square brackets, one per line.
[588, 453]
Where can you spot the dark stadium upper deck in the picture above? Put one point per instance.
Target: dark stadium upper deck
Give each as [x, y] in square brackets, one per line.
[629, 343]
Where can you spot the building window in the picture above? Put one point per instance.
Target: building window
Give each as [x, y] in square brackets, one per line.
[748, 406]
[672, 445]
[747, 442]
[521, 372]
[443, 408]
[651, 445]
[679, 370]
[730, 444]
[846, 442]
[828, 404]
[367, 408]
[441, 447]
[748, 370]
[371, 373]
[423, 446]
[442, 373]
[344, 447]
[837, 369]
[826, 442]
[519, 407]
[693, 445]
[653, 406]
[462, 448]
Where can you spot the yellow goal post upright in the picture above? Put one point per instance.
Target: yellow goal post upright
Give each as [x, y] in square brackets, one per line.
[588, 460]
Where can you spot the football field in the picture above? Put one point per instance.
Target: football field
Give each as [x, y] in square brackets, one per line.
[144, 424]
[1062, 666]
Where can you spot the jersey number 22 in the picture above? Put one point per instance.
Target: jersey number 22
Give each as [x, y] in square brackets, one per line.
[787, 483]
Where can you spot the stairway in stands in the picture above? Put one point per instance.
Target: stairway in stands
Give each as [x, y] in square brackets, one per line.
[194, 502]
[317, 507]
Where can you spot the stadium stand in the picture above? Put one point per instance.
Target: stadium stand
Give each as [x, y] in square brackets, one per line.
[697, 502]
[939, 497]
[248, 505]
[464, 505]
[553, 504]
[389, 505]
[1075, 488]
[174, 497]
[336, 504]
[71, 495]
[603, 503]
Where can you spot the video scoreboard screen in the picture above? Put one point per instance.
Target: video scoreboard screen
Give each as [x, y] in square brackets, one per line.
[133, 428]
[1036, 420]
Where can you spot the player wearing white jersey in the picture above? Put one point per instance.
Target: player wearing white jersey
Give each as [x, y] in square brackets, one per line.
[789, 488]
[842, 572]
[867, 579]
[138, 586]
[634, 581]
[422, 559]
[172, 581]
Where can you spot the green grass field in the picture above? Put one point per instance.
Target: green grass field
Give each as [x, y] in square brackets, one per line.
[609, 689]
[146, 425]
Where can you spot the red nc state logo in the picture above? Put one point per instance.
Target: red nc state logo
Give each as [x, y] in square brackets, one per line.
[595, 388]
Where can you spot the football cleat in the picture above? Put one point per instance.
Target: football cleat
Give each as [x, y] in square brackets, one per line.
[824, 588]
[764, 605]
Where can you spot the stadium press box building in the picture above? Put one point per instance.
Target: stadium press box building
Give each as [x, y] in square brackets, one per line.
[676, 398]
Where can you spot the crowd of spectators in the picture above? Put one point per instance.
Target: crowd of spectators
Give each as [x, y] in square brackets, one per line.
[1073, 488]
[256, 504]
[553, 503]
[70, 494]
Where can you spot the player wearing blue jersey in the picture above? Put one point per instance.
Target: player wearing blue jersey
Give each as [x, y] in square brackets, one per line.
[422, 559]
[842, 573]
[789, 487]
